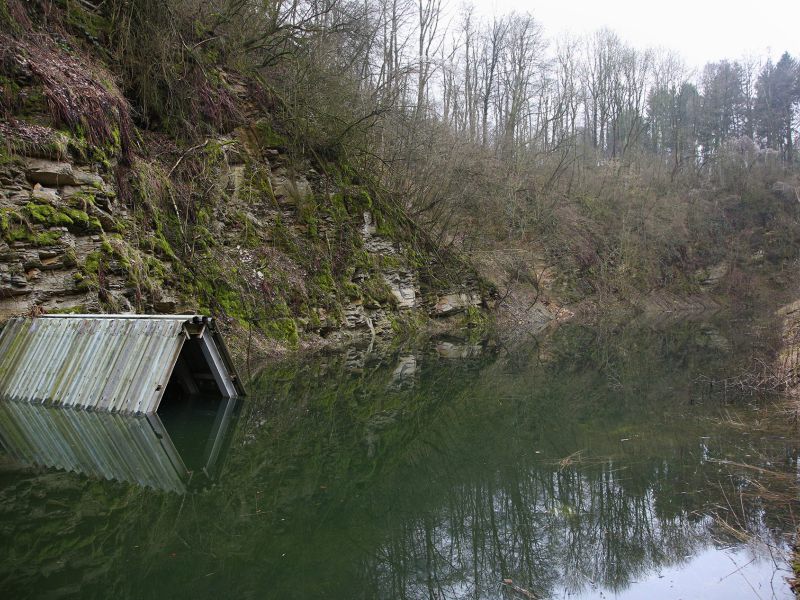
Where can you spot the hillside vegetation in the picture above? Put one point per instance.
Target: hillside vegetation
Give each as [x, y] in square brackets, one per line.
[303, 168]
[145, 167]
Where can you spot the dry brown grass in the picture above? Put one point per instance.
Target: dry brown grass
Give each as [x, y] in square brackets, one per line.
[79, 95]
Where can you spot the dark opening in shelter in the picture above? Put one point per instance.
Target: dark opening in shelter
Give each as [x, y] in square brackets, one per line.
[192, 375]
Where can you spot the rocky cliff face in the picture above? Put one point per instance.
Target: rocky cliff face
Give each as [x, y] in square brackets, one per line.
[54, 218]
[283, 247]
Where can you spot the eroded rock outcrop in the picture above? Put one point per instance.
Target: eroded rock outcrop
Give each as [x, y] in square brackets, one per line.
[280, 232]
[52, 219]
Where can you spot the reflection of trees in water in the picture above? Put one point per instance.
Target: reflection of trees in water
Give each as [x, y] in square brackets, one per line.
[549, 530]
[391, 477]
[553, 527]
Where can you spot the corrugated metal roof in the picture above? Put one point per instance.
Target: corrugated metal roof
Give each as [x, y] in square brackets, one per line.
[117, 363]
[117, 447]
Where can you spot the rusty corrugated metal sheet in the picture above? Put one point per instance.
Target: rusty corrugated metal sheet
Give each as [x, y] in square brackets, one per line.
[118, 447]
[112, 364]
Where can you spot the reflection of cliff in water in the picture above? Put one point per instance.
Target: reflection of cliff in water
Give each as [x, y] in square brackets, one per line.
[589, 458]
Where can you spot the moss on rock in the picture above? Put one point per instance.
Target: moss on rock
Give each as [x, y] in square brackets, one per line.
[283, 330]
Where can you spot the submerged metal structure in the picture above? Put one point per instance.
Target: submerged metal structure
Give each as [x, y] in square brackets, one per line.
[113, 363]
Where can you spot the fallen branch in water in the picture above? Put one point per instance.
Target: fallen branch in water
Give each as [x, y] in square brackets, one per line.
[761, 378]
[509, 583]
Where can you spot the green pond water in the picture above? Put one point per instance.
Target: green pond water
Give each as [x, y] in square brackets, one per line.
[593, 462]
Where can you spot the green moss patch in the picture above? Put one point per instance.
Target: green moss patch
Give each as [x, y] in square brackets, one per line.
[72, 218]
[69, 310]
[267, 137]
[283, 330]
[45, 214]
[15, 227]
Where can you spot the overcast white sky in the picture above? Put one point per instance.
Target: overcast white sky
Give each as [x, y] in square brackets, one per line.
[701, 30]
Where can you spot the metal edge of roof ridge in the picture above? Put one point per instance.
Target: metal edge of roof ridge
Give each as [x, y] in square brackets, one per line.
[227, 359]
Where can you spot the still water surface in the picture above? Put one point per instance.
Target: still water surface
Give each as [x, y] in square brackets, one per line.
[590, 463]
